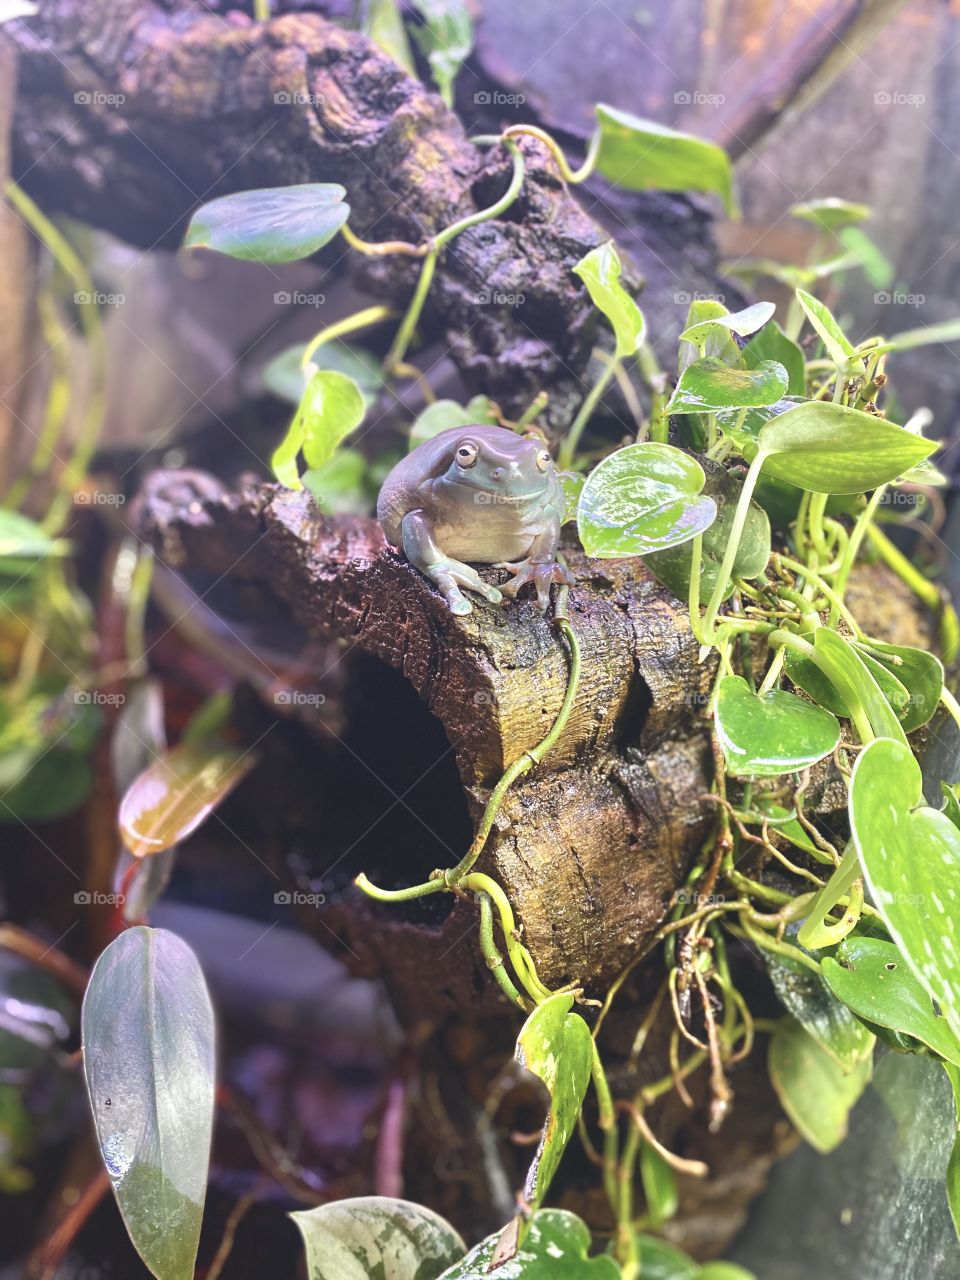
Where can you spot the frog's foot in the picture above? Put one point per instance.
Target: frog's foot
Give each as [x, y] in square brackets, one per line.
[450, 575]
[542, 575]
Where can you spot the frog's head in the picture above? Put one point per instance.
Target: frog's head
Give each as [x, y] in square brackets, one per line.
[496, 461]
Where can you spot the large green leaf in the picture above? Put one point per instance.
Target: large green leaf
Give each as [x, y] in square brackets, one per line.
[600, 271]
[149, 1061]
[763, 735]
[383, 23]
[673, 565]
[376, 1236]
[872, 978]
[332, 407]
[659, 1260]
[555, 1045]
[639, 154]
[274, 224]
[23, 539]
[771, 343]
[555, 1247]
[742, 323]
[178, 791]
[819, 1010]
[838, 345]
[709, 385]
[643, 498]
[814, 1091]
[910, 856]
[445, 39]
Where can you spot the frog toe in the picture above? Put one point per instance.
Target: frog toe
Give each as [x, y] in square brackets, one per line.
[460, 606]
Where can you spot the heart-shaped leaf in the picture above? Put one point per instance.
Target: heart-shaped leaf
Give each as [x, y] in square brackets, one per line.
[919, 673]
[555, 1247]
[771, 343]
[742, 323]
[830, 448]
[807, 676]
[376, 1235]
[813, 1089]
[332, 407]
[285, 376]
[709, 385]
[831, 214]
[600, 272]
[672, 566]
[174, 794]
[763, 735]
[641, 499]
[820, 1010]
[555, 1045]
[274, 224]
[872, 978]
[444, 414]
[639, 154]
[910, 856]
[839, 347]
[719, 342]
[149, 1062]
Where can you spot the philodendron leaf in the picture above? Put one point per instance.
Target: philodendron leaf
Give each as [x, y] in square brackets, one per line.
[383, 23]
[951, 802]
[709, 385]
[659, 1186]
[673, 566]
[771, 343]
[831, 214]
[23, 539]
[719, 342]
[659, 1260]
[872, 978]
[763, 735]
[643, 498]
[376, 1236]
[332, 407]
[443, 414]
[445, 40]
[600, 271]
[555, 1045]
[742, 323]
[639, 154]
[839, 347]
[918, 672]
[854, 681]
[910, 855]
[174, 794]
[285, 376]
[813, 1089]
[555, 1247]
[830, 448]
[275, 224]
[820, 1010]
[953, 1164]
[149, 1062]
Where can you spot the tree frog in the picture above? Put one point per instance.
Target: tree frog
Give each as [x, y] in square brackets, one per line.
[482, 494]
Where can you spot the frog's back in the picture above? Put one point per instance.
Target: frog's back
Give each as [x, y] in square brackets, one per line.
[403, 491]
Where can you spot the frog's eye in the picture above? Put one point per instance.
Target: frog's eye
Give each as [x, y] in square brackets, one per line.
[467, 454]
[544, 459]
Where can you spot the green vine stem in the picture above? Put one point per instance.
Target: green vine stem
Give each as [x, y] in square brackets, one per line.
[568, 445]
[573, 176]
[732, 547]
[350, 324]
[926, 591]
[493, 957]
[383, 247]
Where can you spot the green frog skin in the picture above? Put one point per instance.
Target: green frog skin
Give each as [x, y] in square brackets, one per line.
[477, 494]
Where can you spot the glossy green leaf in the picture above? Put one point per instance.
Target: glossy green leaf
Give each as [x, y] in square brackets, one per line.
[719, 342]
[831, 214]
[763, 735]
[285, 376]
[830, 448]
[771, 343]
[149, 1061]
[838, 345]
[600, 271]
[872, 979]
[376, 1235]
[275, 224]
[852, 679]
[821, 1011]
[443, 414]
[813, 1089]
[555, 1045]
[659, 1186]
[708, 385]
[643, 498]
[953, 1164]
[672, 566]
[783, 822]
[910, 855]
[571, 482]
[951, 802]
[555, 1247]
[809, 677]
[920, 673]
[639, 154]
[332, 407]
[742, 323]
[724, 1271]
[790, 273]
[178, 791]
[445, 39]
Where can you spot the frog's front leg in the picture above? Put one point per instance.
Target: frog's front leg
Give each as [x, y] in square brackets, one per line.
[540, 567]
[421, 549]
